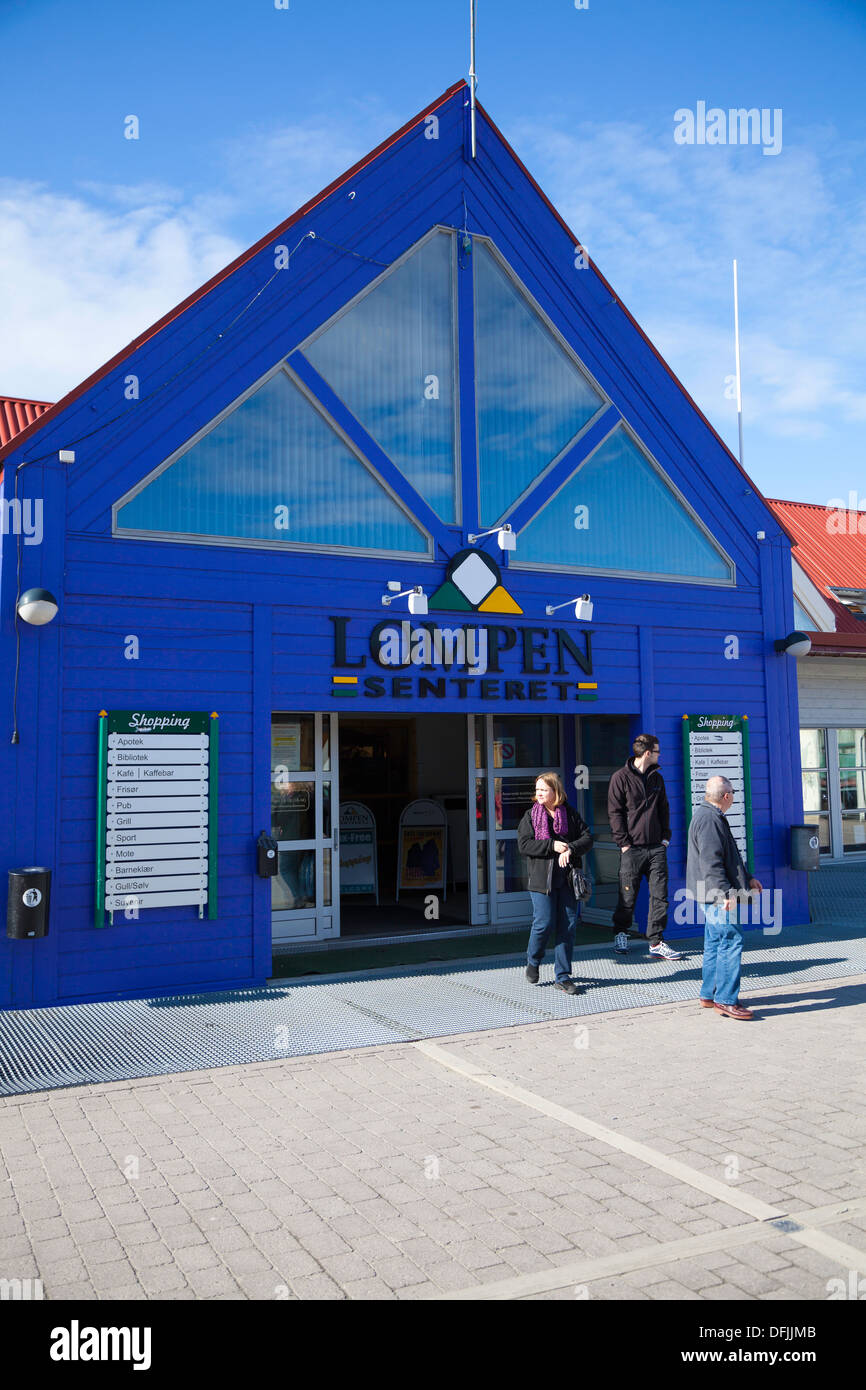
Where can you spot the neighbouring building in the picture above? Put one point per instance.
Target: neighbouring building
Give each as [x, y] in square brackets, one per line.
[829, 569]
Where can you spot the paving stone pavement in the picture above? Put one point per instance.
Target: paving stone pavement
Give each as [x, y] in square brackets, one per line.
[382, 1173]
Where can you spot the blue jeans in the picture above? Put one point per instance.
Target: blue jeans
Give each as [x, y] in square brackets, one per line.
[723, 947]
[557, 909]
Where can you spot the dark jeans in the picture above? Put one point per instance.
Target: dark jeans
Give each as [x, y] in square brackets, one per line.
[639, 861]
[553, 910]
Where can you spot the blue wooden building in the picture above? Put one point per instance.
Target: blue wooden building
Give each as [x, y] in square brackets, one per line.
[422, 354]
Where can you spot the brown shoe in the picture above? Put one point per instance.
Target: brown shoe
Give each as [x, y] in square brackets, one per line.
[707, 1003]
[734, 1011]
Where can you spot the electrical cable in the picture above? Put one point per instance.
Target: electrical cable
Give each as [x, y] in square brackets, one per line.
[80, 439]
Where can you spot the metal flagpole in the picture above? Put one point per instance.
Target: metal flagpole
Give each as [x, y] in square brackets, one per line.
[472, 78]
[737, 357]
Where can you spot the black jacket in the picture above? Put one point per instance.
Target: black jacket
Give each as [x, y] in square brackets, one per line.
[714, 867]
[541, 854]
[638, 809]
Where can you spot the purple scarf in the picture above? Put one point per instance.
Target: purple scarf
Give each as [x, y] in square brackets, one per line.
[541, 824]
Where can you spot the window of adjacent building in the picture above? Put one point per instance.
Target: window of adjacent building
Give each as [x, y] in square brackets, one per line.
[391, 358]
[802, 621]
[618, 512]
[816, 793]
[273, 470]
[852, 788]
[532, 398]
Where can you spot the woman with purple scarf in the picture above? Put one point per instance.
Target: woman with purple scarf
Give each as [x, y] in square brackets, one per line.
[553, 837]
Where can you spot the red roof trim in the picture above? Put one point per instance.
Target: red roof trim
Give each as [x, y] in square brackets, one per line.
[223, 274]
[839, 643]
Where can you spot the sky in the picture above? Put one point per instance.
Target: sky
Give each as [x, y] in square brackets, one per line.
[246, 108]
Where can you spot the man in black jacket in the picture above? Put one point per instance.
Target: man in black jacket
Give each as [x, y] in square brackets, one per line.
[716, 877]
[640, 819]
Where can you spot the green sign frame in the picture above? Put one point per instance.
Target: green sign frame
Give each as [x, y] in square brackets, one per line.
[720, 723]
[166, 722]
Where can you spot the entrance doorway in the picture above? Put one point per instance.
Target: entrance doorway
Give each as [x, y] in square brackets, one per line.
[394, 824]
[388, 763]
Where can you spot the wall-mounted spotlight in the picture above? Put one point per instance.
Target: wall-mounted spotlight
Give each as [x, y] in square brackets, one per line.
[37, 606]
[506, 537]
[795, 644]
[417, 597]
[582, 608]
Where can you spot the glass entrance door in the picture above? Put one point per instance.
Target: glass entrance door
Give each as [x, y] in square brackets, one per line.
[305, 900]
[507, 753]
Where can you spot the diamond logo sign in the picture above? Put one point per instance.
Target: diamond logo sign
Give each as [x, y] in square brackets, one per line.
[473, 584]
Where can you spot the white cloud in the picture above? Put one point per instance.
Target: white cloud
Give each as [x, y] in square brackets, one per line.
[79, 279]
[663, 222]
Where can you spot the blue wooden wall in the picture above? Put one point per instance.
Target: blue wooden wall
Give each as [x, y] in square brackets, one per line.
[245, 632]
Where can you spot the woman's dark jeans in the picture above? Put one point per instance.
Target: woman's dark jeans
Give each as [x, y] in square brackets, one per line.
[557, 911]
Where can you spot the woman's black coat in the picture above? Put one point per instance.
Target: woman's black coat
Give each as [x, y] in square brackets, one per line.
[541, 854]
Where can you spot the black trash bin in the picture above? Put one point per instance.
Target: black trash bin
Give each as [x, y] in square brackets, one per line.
[27, 904]
[805, 847]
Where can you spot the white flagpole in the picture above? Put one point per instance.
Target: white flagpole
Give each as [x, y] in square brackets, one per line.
[472, 78]
[737, 357]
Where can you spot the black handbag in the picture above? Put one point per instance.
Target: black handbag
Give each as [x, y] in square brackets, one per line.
[582, 885]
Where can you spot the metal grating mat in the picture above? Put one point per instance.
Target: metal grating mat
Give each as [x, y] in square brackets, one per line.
[43, 1049]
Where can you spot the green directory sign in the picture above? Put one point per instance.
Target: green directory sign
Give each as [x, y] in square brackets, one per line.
[718, 745]
[156, 829]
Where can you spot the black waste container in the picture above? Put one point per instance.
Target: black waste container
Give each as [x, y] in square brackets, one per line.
[805, 847]
[27, 905]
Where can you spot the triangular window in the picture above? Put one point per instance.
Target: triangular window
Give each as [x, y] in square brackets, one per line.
[532, 398]
[390, 357]
[619, 512]
[272, 470]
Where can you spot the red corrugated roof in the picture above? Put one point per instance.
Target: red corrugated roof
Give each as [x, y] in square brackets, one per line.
[831, 548]
[16, 415]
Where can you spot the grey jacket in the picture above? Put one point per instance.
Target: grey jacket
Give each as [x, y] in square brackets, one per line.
[713, 858]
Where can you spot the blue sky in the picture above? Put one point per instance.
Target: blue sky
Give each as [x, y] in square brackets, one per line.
[246, 110]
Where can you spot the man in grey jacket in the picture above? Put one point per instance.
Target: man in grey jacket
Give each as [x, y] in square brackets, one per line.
[715, 877]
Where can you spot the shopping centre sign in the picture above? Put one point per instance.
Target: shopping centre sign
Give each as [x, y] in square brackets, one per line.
[541, 657]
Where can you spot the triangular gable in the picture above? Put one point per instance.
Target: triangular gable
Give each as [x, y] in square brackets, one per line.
[420, 177]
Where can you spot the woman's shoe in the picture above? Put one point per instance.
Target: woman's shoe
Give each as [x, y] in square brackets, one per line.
[532, 974]
[567, 986]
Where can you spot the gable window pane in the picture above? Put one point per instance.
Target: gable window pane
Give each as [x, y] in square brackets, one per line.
[274, 470]
[391, 359]
[617, 512]
[532, 398]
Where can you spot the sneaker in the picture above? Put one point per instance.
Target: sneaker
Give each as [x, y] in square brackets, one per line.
[664, 950]
[620, 943]
[567, 986]
[532, 974]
